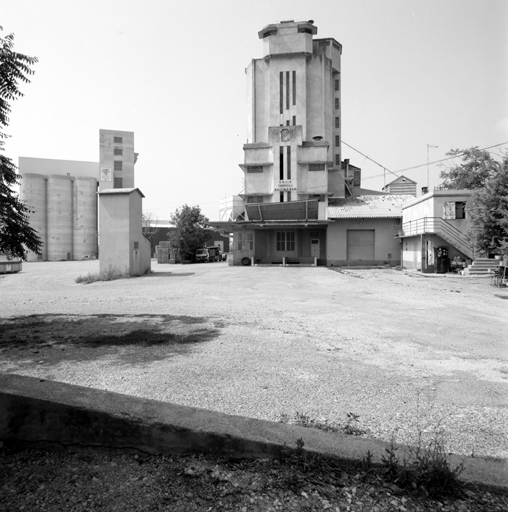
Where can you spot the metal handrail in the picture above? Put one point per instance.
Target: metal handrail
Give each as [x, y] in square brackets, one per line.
[435, 225]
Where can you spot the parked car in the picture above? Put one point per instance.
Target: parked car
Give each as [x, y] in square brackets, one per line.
[214, 253]
[201, 255]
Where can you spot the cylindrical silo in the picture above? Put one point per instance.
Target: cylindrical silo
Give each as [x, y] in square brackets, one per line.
[85, 218]
[33, 192]
[59, 218]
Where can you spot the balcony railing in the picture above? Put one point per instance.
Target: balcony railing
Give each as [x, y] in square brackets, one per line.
[440, 227]
[294, 210]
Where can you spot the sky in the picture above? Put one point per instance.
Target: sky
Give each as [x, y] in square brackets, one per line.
[414, 72]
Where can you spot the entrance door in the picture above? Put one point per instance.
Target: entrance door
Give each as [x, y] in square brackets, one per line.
[314, 248]
[360, 244]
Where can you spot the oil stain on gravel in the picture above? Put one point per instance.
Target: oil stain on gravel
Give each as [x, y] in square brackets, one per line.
[128, 339]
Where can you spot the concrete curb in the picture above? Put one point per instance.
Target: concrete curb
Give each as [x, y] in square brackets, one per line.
[33, 409]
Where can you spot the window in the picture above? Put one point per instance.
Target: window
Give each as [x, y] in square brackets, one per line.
[337, 122]
[454, 210]
[337, 140]
[136, 245]
[337, 85]
[118, 151]
[294, 90]
[294, 120]
[281, 92]
[316, 167]
[118, 183]
[281, 162]
[289, 197]
[287, 89]
[118, 140]
[337, 103]
[460, 210]
[254, 199]
[243, 241]
[281, 197]
[337, 159]
[254, 168]
[285, 241]
[118, 165]
[289, 164]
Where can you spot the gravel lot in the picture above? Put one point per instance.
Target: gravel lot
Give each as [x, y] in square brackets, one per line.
[402, 351]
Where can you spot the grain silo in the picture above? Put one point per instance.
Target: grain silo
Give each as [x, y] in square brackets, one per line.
[33, 193]
[59, 202]
[85, 218]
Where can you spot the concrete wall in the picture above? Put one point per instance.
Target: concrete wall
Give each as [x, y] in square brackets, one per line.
[432, 205]
[122, 246]
[387, 249]
[412, 251]
[61, 167]
[107, 159]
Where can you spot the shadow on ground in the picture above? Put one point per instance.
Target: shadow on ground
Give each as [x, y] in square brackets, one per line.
[127, 339]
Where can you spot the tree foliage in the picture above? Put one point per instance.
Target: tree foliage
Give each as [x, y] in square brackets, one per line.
[16, 235]
[190, 232]
[477, 166]
[150, 225]
[488, 213]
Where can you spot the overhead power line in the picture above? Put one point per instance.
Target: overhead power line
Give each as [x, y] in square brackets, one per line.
[416, 166]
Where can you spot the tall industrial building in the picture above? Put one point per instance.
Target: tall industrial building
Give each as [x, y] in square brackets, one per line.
[293, 149]
[63, 195]
[117, 159]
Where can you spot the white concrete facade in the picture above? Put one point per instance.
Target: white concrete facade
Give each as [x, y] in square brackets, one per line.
[293, 111]
[435, 219]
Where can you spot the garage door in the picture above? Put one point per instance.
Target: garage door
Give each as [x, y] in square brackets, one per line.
[360, 244]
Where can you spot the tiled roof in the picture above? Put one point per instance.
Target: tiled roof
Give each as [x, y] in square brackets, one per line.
[387, 206]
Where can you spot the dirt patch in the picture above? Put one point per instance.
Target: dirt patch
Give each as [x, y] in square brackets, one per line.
[54, 338]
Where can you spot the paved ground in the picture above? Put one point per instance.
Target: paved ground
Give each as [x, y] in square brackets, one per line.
[402, 352]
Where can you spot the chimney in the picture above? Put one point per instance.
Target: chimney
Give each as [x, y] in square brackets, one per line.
[425, 190]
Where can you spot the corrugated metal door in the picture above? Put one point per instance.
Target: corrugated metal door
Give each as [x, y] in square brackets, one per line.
[360, 244]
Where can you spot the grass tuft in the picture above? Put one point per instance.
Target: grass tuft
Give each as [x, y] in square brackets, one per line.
[111, 274]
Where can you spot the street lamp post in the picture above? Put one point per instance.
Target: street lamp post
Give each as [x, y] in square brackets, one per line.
[428, 181]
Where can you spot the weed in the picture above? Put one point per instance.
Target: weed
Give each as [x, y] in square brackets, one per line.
[111, 274]
[349, 427]
[424, 468]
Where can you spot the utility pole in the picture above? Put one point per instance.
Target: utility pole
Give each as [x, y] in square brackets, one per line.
[428, 182]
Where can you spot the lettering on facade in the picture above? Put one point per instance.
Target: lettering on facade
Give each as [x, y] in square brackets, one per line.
[287, 134]
[285, 185]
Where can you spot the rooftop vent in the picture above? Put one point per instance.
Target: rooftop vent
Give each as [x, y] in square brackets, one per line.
[317, 137]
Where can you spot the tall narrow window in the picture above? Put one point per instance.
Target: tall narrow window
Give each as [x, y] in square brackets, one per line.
[118, 151]
[336, 103]
[337, 122]
[281, 92]
[118, 165]
[337, 159]
[336, 85]
[294, 120]
[282, 197]
[118, 183]
[294, 88]
[289, 164]
[281, 163]
[287, 90]
[337, 140]
[289, 197]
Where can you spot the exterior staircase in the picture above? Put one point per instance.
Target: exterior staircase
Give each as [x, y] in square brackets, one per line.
[481, 266]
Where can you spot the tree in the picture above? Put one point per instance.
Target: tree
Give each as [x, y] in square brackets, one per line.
[488, 213]
[16, 235]
[150, 225]
[189, 233]
[476, 168]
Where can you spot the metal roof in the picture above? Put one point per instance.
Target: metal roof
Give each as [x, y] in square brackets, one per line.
[361, 207]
